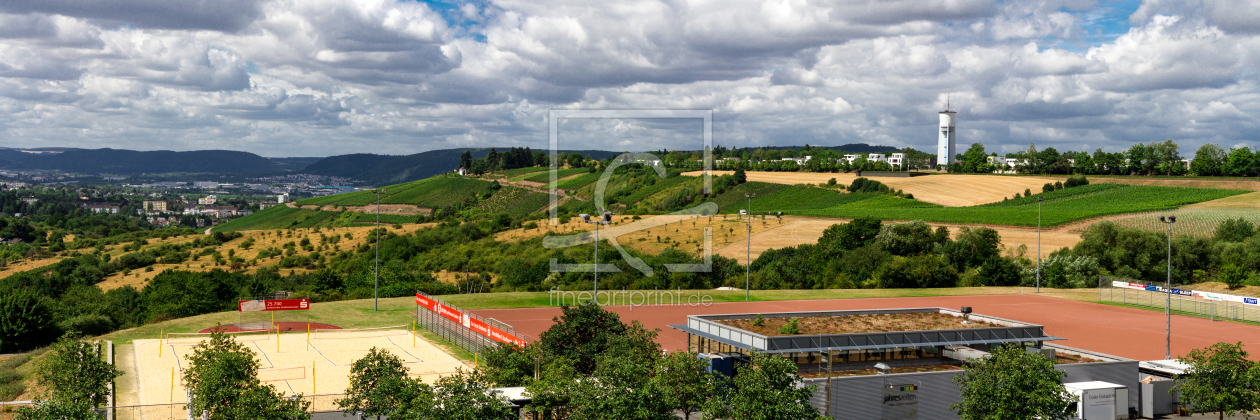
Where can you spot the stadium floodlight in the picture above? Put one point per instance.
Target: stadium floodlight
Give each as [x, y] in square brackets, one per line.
[748, 250]
[606, 219]
[376, 275]
[1038, 244]
[1168, 291]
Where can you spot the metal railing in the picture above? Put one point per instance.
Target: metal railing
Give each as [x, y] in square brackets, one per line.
[1180, 304]
[456, 333]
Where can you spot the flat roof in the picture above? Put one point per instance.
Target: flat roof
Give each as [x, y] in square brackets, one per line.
[1008, 331]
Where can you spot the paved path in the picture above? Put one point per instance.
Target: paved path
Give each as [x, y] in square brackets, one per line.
[1127, 332]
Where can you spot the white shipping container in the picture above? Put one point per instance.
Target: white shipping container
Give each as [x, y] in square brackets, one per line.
[1096, 400]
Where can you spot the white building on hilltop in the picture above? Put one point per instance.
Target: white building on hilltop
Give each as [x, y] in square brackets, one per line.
[947, 143]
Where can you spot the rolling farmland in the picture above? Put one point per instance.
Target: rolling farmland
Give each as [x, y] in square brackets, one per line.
[545, 177]
[1059, 207]
[438, 192]
[516, 201]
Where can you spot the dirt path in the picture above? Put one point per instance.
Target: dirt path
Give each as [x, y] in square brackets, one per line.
[946, 190]
[1127, 332]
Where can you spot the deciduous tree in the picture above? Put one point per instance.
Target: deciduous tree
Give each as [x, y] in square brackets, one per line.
[1220, 379]
[1012, 384]
[376, 382]
[77, 371]
[222, 376]
[766, 388]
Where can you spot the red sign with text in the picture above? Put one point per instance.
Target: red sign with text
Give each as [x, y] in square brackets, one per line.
[468, 321]
[274, 305]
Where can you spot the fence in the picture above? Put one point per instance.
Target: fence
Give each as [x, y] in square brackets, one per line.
[179, 411]
[460, 333]
[1179, 302]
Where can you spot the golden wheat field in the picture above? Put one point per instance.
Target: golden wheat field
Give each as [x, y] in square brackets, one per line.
[946, 190]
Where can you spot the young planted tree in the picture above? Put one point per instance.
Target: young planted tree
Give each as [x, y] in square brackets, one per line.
[222, 376]
[77, 371]
[1012, 384]
[377, 381]
[766, 388]
[1220, 379]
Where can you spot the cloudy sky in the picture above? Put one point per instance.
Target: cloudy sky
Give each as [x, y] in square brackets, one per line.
[326, 77]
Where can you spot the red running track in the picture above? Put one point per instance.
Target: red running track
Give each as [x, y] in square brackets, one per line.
[269, 326]
[1127, 332]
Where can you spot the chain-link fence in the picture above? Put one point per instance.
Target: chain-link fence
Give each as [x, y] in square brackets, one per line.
[179, 411]
[1180, 301]
[457, 333]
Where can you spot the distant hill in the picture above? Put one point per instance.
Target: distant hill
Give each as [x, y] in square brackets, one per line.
[373, 169]
[116, 161]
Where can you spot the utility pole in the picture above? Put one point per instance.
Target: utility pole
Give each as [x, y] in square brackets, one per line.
[1038, 244]
[748, 249]
[376, 275]
[1168, 291]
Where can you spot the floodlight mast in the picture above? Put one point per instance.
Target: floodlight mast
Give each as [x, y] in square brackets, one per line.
[1168, 291]
[606, 218]
[376, 275]
[1038, 244]
[748, 249]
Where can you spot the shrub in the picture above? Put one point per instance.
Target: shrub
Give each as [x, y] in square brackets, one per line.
[1235, 230]
[1232, 275]
[790, 328]
[759, 321]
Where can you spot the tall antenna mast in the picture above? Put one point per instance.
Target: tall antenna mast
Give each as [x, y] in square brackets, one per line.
[947, 92]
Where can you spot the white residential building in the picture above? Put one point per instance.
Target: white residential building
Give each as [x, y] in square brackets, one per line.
[208, 200]
[897, 159]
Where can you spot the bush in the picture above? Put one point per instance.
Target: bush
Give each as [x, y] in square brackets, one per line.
[1047, 188]
[1075, 182]
[791, 327]
[1232, 275]
[87, 325]
[1235, 230]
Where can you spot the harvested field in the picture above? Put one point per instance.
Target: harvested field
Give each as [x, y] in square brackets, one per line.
[797, 230]
[946, 190]
[1222, 184]
[858, 324]
[1248, 201]
[324, 369]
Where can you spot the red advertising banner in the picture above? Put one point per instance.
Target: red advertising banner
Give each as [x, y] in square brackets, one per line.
[274, 305]
[467, 321]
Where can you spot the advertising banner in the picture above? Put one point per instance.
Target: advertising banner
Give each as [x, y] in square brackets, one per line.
[467, 321]
[1184, 292]
[274, 305]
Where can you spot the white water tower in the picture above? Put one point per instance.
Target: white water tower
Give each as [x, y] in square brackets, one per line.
[946, 143]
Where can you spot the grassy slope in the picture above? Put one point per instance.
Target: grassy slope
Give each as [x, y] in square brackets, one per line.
[545, 177]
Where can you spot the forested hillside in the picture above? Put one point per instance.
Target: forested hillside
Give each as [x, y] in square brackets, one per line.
[160, 161]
